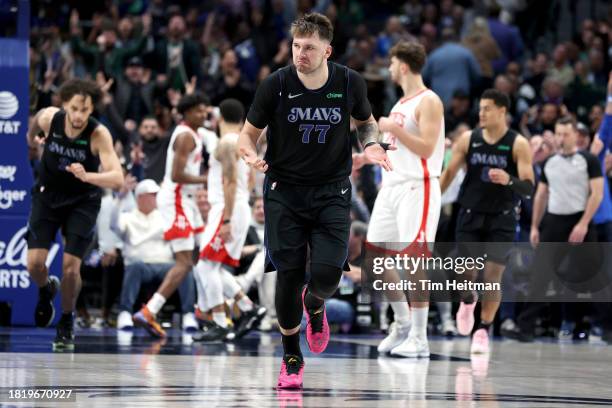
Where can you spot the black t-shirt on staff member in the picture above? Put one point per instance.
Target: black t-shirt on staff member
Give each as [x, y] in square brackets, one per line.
[308, 130]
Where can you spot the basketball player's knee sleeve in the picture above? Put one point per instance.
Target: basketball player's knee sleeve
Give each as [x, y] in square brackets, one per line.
[324, 280]
[209, 276]
[288, 299]
[230, 286]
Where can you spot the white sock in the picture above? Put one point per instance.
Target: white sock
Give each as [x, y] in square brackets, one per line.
[245, 304]
[401, 313]
[220, 319]
[419, 322]
[156, 303]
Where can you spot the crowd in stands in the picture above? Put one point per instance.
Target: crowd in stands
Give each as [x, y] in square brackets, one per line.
[146, 54]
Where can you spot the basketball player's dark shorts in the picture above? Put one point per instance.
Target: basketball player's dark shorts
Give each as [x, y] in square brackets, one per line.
[494, 234]
[75, 216]
[298, 217]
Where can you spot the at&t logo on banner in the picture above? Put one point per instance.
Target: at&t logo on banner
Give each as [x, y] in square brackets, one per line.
[9, 106]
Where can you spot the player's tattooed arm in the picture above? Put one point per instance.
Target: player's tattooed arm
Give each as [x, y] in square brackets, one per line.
[373, 151]
[367, 131]
[227, 154]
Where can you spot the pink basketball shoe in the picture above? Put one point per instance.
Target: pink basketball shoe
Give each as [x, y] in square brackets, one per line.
[317, 329]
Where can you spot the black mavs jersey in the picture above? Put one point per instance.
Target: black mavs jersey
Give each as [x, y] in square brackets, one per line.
[61, 151]
[477, 192]
[308, 130]
[59, 199]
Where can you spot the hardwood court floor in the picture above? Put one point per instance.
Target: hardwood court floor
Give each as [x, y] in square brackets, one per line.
[131, 370]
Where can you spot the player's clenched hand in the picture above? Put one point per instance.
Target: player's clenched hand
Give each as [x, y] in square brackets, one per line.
[499, 176]
[39, 140]
[78, 170]
[225, 233]
[376, 154]
[250, 157]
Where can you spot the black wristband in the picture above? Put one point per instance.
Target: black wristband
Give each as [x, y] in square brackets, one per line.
[226, 221]
[524, 188]
[383, 145]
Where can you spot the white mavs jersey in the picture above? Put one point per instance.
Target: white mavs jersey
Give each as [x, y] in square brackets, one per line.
[192, 166]
[406, 164]
[215, 176]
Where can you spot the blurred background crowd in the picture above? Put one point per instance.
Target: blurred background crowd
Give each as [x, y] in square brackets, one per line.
[552, 57]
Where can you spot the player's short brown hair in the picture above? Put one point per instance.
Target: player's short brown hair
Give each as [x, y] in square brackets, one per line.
[312, 23]
[77, 86]
[411, 53]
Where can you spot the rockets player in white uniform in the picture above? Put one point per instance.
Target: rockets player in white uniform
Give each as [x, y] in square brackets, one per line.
[228, 223]
[407, 207]
[177, 204]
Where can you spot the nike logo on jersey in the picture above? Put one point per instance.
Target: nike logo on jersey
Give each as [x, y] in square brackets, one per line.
[476, 144]
[344, 190]
[294, 96]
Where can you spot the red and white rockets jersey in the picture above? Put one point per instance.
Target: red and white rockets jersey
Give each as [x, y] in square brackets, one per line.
[406, 164]
[192, 166]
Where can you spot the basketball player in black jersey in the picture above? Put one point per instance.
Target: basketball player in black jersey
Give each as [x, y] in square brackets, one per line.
[307, 193]
[67, 196]
[499, 173]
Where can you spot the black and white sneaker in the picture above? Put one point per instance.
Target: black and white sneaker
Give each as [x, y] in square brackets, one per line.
[249, 320]
[213, 333]
[64, 339]
[45, 311]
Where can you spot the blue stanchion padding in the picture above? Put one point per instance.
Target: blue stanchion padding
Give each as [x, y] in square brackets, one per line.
[16, 178]
[15, 169]
[16, 287]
